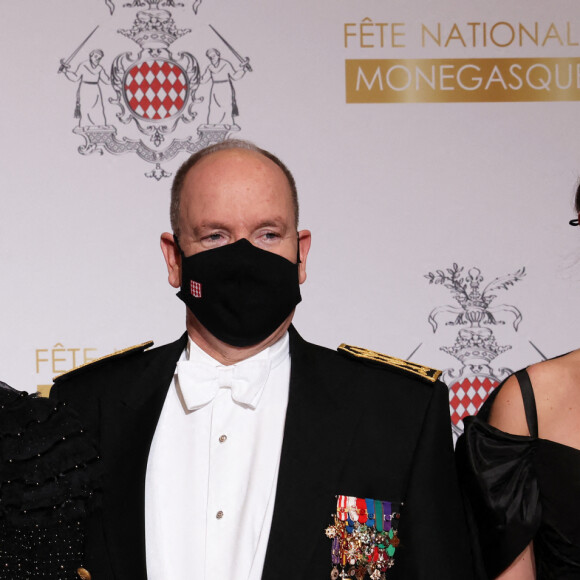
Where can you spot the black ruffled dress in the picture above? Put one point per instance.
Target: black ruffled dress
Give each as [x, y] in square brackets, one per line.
[48, 482]
[521, 489]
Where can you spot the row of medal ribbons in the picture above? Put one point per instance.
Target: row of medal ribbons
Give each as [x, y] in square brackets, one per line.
[364, 537]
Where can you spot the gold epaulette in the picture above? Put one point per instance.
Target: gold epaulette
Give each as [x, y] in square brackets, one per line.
[118, 353]
[427, 373]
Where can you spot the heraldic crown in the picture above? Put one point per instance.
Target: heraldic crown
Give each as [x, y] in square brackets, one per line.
[154, 28]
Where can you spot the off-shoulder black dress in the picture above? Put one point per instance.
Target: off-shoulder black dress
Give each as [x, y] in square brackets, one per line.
[520, 489]
[49, 480]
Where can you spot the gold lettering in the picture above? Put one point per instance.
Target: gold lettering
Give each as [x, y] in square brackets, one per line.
[366, 23]
[373, 35]
[57, 348]
[395, 34]
[503, 24]
[40, 360]
[461, 80]
[382, 26]
[454, 34]
[534, 38]
[474, 26]
[552, 33]
[501, 34]
[348, 34]
[87, 358]
[568, 34]
[436, 39]
[74, 357]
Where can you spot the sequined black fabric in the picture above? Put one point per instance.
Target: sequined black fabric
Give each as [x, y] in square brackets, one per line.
[48, 483]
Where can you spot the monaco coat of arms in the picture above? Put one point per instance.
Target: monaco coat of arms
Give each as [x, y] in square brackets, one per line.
[475, 346]
[156, 90]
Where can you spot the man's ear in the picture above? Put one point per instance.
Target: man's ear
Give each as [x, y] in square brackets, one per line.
[304, 239]
[172, 259]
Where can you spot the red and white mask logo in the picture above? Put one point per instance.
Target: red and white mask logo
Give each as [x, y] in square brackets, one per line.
[195, 289]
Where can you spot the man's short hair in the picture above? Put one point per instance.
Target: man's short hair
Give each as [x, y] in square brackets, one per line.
[226, 145]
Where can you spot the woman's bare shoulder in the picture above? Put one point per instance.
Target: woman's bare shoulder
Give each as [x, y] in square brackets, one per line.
[556, 384]
[556, 377]
[507, 412]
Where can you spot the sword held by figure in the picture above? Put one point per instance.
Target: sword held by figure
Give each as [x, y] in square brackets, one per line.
[245, 62]
[64, 64]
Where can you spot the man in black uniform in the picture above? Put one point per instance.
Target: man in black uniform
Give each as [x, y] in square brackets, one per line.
[321, 463]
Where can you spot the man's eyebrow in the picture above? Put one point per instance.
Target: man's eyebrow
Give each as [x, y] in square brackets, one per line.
[272, 223]
[276, 222]
[209, 226]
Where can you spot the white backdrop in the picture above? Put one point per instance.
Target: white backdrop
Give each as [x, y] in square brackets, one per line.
[391, 191]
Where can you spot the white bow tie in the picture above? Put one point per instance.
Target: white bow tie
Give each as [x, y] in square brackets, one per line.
[199, 382]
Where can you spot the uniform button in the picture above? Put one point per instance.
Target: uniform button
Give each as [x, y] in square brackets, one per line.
[83, 574]
[219, 515]
[223, 438]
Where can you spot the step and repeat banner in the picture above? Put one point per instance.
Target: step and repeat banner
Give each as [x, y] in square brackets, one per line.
[434, 144]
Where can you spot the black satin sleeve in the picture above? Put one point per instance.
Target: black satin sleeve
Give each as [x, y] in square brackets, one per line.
[501, 491]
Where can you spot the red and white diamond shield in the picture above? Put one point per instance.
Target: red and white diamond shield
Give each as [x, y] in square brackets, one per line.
[467, 395]
[195, 288]
[156, 89]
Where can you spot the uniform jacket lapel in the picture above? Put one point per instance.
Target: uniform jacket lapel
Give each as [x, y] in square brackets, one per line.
[311, 458]
[128, 428]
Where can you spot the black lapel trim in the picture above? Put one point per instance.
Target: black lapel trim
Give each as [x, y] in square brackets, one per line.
[128, 426]
[312, 458]
[156, 371]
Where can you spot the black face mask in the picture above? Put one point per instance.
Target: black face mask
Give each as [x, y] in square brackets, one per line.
[239, 292]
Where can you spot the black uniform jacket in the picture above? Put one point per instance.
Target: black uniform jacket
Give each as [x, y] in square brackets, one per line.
[352, 428]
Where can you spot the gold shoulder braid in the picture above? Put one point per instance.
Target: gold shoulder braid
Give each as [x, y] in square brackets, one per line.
[118, 353]
[427, 373]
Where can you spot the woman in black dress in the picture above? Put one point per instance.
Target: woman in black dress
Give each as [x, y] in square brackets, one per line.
[48, 482]
[519, 462]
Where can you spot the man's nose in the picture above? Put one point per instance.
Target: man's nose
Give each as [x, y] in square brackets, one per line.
[238, 237]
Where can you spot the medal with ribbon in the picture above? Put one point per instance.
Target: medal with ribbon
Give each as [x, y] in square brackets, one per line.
[364, 538]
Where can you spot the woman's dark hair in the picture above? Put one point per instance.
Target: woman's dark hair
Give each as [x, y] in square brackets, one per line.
[576, 221]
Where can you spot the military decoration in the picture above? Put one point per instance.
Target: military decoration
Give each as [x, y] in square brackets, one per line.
[364, 538]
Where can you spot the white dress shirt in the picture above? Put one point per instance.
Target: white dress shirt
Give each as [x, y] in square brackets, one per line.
[212, 471]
